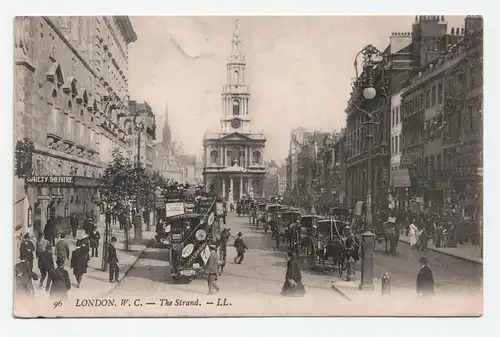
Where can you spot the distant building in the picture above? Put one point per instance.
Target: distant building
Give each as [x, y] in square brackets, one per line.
[148, 135]
[165, 159]
[271, 183]
[234, 157]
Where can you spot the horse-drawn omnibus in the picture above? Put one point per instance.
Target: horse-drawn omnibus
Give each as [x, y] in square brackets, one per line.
[286, 226]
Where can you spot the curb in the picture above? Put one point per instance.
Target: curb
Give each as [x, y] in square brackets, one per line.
[341, 293]
[115, 285]
[449, 254]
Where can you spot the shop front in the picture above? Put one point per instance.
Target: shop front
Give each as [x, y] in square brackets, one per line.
[56, 198]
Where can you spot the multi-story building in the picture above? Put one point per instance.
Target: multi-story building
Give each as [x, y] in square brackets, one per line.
[440, 86]
[399, 177]
[463, 129]
[406, 54]
[281, 185]
[71, 83]
[291, 162]
[334, 169]
[234, 157]
[148, 135]
[271, 182]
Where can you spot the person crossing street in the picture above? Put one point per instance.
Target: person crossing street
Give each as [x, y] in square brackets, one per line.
[241, 247]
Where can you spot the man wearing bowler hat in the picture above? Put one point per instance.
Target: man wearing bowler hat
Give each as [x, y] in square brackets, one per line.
[241, 247]
[425, 280]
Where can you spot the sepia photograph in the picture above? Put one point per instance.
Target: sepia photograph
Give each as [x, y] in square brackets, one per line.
[255, 166]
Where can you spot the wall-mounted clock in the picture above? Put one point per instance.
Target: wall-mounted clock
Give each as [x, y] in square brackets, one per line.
[235, 123]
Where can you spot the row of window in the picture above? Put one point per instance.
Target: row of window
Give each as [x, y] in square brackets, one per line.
[425, 100]
[396, 144]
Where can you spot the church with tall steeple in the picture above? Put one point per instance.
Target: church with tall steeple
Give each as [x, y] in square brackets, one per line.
[233, 160]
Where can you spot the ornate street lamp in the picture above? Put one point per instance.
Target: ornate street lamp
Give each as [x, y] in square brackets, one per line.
[373, 59]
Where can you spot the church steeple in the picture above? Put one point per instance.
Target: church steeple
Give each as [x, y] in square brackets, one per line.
[235, 94]
[167, 136]
[236, 40]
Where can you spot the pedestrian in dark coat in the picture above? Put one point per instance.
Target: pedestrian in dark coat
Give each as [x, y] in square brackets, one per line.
[425, 280]
[74, 224]
[27, 250]
[114, 270]
[24, 276]
[241, 247]
[94, 238]
[79, 262]
[293, 278]
[46, 265]
[62, 249]
[87, 225]
[212, 269]
[60, 282]
[50, 231]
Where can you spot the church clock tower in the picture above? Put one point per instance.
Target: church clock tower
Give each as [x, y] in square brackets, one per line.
[235, 94]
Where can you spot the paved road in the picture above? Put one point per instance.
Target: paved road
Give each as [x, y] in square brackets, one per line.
[261, 276]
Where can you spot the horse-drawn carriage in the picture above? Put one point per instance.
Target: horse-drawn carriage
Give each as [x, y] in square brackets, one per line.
[387, 231]
[288, 225]
[272, 216]
[243, 207]
[307, 233]
[261, 215]
[331, 239]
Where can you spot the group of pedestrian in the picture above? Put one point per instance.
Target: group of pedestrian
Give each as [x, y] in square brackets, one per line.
[56, 277]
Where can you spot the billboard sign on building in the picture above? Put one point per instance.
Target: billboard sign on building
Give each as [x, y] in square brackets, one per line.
[400, 178]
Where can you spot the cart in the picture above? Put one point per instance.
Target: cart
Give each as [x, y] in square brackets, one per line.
[285, 229]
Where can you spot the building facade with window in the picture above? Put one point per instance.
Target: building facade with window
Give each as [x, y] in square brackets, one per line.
[71, 87]
[234, 157]
[146, 117]
[463, 116]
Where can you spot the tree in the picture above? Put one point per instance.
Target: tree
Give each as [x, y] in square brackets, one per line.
[116, 188]
[24, 158]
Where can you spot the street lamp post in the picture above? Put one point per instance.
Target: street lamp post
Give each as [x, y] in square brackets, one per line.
[372, 57]
[139, 127]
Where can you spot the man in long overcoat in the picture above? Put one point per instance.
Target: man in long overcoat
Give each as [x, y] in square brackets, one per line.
[27, 250]
[60, 282]
[211, 270]
[94, 238]
[24, 276]
[50, 231]
[46, 265]
[114, 270]
[79, 261]
[62, 249]
[425, 280]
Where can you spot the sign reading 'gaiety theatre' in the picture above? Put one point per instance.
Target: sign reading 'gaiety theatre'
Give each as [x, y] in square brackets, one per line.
[50, 180]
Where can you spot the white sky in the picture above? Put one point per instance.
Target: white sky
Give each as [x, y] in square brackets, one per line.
[299, 70]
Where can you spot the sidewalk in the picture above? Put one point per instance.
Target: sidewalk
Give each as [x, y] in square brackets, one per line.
[468, 252]
[95, 282]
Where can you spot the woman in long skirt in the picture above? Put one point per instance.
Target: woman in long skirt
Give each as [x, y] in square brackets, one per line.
[293, 279]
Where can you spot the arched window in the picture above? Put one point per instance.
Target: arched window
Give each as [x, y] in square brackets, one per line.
[256, 157]
[236, 107]
[214, 157]
[236, 77]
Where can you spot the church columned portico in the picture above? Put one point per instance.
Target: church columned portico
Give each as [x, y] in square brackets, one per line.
[234, 186]
[234, 157]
